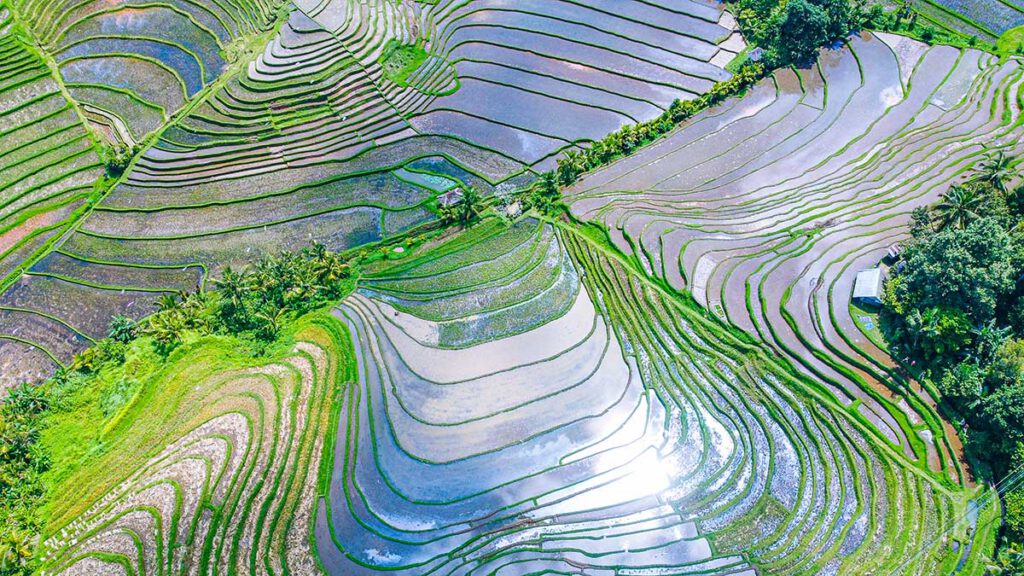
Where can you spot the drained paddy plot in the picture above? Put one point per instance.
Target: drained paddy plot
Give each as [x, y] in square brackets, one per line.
[219, 473]
[47, 169]
[766, 207]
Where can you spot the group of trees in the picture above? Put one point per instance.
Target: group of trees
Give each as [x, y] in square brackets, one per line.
[21, 464]
[954, 310]
[257, 299]
[792, 31]
[631, 137]
[251, 303]
[464, 210]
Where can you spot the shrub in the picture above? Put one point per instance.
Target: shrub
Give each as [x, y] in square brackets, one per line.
[122, 329]
[117, 159]
[962, 383]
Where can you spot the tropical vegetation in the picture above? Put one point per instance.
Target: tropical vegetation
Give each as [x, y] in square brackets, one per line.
[954, 312]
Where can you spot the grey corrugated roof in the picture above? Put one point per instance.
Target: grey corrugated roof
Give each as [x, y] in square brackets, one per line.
[868, 284]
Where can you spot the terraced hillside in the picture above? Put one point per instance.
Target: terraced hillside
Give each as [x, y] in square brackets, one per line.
[132, 64]
[322, 137]
[47, 170]
[212, 469]
[765, 207]
[526, 405]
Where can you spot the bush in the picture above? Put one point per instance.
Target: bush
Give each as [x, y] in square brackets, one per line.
[122, 329]
[963, 383]
[117, 159]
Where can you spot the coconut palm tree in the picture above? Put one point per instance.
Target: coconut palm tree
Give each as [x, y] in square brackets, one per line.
[166, 329]
[232, 285]
[997, 169]
[272, 320]
[959, 207]
[468, 206]
[333, 270]
[570, 167]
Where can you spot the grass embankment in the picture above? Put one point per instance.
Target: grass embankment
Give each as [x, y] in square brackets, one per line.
[399, 61]
[1012, 41]
[100, 422]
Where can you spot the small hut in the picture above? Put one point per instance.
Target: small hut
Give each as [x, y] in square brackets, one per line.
[450, 198]
[868, 287]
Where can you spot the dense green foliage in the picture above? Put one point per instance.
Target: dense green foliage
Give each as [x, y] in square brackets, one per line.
[791, 32]
[954, 310]
[256, 300]
[117, 158]
[1010, 562]
[21, 464]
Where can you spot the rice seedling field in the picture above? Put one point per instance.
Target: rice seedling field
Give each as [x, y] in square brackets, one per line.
[514, 400]
[766, 207]
[982, 18]
[669, 379]
[314, 138]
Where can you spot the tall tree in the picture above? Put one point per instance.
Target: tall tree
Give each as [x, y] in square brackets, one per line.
[801, 28]
[997, 170]
[468, 205]
[959, 207]
[970, 269]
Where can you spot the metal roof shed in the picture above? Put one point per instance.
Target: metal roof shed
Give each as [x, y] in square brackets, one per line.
[868, 287]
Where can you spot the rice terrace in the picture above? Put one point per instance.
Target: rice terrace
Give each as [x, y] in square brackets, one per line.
[567, 287]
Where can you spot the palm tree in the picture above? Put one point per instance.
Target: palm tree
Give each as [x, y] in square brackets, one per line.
[997, 170]
[333, 270]
[959, 207]
[232, 285]
[988, 338]
[272, 320]
[468, 205]
[317, 250]
[569, 167]
[166, 329]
